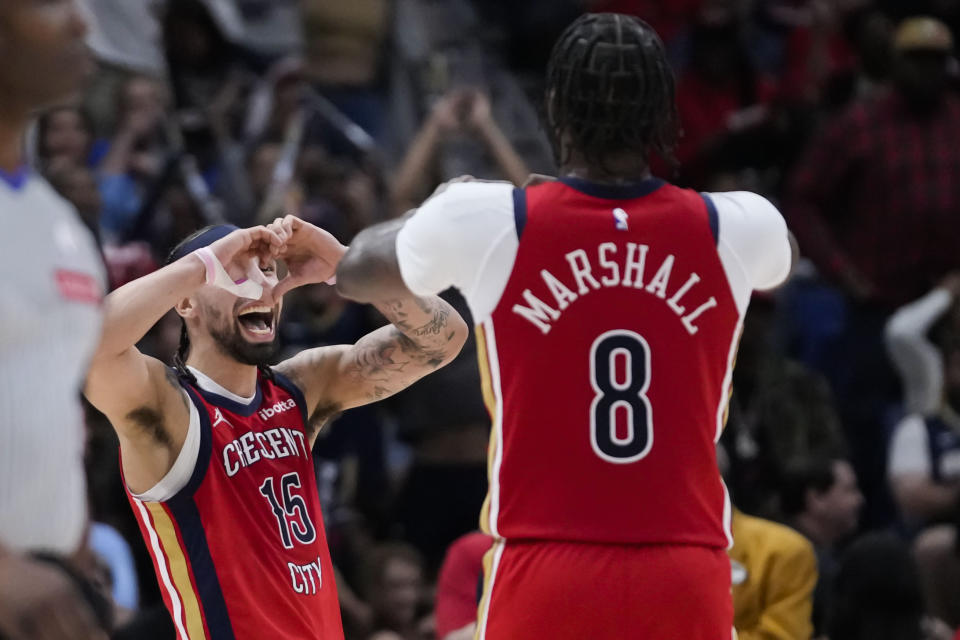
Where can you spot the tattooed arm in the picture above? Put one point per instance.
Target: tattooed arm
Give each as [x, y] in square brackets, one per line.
[426, 333]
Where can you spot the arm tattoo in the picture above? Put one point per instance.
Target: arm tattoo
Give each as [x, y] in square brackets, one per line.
[419, 342]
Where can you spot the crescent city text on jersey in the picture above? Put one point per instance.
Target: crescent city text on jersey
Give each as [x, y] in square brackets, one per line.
[271, 444]
[616, 265]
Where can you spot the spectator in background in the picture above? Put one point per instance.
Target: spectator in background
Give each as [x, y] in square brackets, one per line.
[916, 335]
[460, 583]
[114, 551]
[393, 583]
[199, 56]
[135, 157]
[345, 43]
[668, 19]
[774, 572]
[125, 38]
[719, 94]
[924, 341]
[873, 202]
[878, 594]
[78, 185]
[774, 575]
[66, 134]
[937, 551]
[873, 205]
[820, 55]
[820, 499]
[779, 411]
[462, 111]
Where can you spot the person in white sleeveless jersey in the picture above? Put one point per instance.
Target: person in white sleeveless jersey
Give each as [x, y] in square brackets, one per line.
[51, 285]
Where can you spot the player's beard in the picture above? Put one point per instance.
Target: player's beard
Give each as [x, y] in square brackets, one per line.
[230, 341]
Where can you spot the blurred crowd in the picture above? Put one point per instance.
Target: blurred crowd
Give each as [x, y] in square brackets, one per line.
[842, 447]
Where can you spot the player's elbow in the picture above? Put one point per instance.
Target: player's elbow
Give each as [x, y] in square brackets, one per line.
[367, 275]
[460, 332]
[353, 274]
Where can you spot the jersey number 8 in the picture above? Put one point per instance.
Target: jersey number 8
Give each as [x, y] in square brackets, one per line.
[620, 393]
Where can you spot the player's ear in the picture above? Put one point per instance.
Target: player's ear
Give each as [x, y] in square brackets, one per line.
[186, 308]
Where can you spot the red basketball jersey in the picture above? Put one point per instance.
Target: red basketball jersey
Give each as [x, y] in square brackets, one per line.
[607, 366]
[240, 551]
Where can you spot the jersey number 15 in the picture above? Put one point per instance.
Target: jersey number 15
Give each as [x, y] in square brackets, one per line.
[290, 510]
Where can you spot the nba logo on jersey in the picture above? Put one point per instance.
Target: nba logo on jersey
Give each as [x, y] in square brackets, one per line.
[620, 219]
[218, 418]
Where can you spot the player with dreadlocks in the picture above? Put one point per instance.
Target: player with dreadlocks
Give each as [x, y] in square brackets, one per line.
[216, 452]
[608, 305]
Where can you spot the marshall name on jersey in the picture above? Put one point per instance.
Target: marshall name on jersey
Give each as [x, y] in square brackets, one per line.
[239, 546]
[613, 264]
[607, 323]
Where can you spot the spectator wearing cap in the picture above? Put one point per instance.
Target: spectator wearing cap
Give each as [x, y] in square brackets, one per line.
[873, 204]
[879, 182]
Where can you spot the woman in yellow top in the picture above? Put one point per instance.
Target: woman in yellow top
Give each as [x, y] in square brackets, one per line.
[774, 574]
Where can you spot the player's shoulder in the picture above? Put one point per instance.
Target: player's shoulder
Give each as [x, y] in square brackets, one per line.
[471, 195]
[743, 204]
[747, 221]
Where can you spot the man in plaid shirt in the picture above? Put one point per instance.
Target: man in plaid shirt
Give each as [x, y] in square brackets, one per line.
[874, 204]
[875, 201]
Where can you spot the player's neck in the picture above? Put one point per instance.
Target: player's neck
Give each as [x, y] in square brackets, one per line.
[626, 171]
[240, 379]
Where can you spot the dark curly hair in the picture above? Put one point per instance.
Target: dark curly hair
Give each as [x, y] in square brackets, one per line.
[610, 90]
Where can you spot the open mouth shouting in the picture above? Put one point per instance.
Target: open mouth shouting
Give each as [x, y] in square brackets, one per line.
[258, 323]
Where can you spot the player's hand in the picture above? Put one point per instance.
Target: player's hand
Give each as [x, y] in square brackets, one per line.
[242, 252]
[39, 602]
[310, 253]
[538, 178]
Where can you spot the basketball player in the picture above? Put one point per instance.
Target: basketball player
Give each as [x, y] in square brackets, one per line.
[216, 453]
[608, 306]
[52, 284]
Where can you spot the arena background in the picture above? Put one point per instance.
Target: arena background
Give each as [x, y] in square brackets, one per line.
[353, 112]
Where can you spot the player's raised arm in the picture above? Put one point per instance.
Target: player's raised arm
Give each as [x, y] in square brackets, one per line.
[122, 382]
[426, 333]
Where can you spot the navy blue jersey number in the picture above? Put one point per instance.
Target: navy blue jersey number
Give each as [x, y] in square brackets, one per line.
[621, 418]
[290, 510]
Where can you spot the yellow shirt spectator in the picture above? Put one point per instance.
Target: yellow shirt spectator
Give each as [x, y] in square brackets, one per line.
[774, 574]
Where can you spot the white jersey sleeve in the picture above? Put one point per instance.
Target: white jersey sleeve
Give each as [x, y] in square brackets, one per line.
[753, 242]
[918, 361]
[465, 237]
[909, 449]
